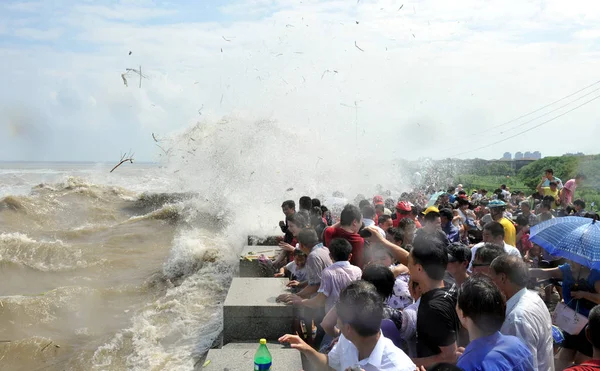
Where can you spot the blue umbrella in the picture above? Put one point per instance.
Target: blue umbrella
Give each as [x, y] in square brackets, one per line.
[571, 237]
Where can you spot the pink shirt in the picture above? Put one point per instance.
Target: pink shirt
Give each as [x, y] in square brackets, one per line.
[568, 196]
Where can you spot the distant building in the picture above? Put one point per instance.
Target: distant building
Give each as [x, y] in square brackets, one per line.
[519, 156]
[507, 156]
[537, 155]
[528, 156]
[574, 154]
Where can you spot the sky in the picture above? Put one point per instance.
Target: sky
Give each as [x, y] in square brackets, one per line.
[394, 78]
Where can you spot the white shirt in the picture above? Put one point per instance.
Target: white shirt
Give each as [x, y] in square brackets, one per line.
[385, 356]
[371, 223]
[528, 319]
[510, 250]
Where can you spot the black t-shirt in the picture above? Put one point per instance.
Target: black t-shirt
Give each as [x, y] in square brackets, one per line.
[437, 322]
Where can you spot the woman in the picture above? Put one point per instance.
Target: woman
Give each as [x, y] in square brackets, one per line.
[581, 291]
[400, 297]
[296, 223]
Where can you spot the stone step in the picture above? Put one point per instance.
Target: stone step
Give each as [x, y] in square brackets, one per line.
[241, 358]
[250, 311]
[249, 259]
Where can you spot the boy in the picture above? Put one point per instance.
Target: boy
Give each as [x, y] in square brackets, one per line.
[295, 269]
[481, 310]
[333, 279]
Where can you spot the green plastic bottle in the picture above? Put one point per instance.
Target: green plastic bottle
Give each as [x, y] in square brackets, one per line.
[262, 357]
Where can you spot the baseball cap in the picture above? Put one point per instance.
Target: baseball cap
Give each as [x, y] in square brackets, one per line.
[431, 209]
[378, 200]
[457, 252]
[404, 206]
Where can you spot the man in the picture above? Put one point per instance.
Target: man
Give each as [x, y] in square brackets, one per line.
[493, 233]
[316, 261]
[360, 312]
[305, 204]
[452, 232]
[443, 201]
[592, 333]
[566, 194]
[437, 323]
[409, 228]
[459, 257]
[505, 191]
[526, 212]
[497, 209]
[415, 212]
[484, 257]
[549, 175]
[432, 228]
[480, 309]
[403, 210]
[368, 213]
[289, 208]
[545, 211]
[579, 206]
[349, 225]
[380, 209]
[334, 278]
[385, 222]
[527, 316]
[551, 190]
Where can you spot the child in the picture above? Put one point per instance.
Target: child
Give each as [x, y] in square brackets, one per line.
[523, 243]
[295, 269]
[533, 256]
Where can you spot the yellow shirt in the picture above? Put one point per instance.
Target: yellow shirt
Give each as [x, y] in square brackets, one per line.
[549, 192]
[510, 232]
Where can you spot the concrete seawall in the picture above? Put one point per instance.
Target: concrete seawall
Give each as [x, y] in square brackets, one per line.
[251, 312]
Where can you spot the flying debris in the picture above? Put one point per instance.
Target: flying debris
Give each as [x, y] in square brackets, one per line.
[401, 6]
[225, 39]
[358, 47]
[356, 22]
[130, 52]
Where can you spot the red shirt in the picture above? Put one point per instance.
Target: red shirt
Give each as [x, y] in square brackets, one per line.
[357, 242]
[399, 217]
[591, 365]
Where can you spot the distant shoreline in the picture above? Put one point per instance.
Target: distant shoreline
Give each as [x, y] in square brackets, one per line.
[75, 162]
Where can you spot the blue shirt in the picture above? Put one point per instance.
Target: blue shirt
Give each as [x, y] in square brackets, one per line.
[580, 305]
[452, 232]
[496, 352]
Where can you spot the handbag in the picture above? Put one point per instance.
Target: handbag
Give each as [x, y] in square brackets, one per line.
[568, 319]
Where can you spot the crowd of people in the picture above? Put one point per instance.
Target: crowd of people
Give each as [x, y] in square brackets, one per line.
[436, 281]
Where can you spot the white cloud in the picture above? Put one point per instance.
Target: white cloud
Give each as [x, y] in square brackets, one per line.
[430, 71]
[37, 34]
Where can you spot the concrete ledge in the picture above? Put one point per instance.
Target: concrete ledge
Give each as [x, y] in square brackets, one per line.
[250, 311]
[249, 259]
[242, 358]
[264, 241]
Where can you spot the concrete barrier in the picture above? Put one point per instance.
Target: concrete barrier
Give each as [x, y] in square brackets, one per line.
[250, 311]
[240, 356]
[264, 241]
[249, 259]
